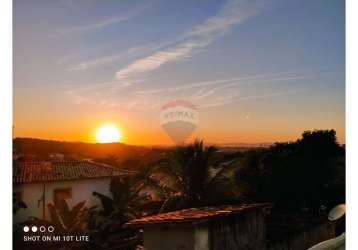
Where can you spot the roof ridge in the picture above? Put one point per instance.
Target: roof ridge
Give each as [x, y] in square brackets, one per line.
[40, 171]
[198, 213]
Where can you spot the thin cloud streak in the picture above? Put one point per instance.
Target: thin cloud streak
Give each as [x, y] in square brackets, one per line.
[202, 94]
[103, 23]
[210, 93]
[129, 53]
[95, 26]
[232, 14]
[236, 98]
[84, 65]
[278, 76]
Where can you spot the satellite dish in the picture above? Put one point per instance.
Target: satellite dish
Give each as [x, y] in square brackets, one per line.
[337, 212]
[337, 243]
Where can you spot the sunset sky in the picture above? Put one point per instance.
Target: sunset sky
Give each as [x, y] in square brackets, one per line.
[257, 71]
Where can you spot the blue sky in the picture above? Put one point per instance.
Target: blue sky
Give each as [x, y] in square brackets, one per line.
[257, 70]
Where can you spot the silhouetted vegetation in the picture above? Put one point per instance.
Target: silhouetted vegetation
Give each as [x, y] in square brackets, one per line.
[304, 174]
[108, 224]
[192, 176]
[69, 220]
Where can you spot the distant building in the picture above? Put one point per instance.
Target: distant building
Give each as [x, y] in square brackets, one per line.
[38, 183]
[57, 156]
[206, 228]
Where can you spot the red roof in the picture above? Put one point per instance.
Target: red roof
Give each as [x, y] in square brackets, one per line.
[197, 214]
[45, 171]
[179, 103]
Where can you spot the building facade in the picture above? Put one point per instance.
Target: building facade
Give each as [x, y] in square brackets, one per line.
[38, 184]
[206, 228]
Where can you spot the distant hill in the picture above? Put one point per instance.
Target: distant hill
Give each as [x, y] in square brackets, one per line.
[240, 147]
[116, 154]
[110, 152]
[244, 145]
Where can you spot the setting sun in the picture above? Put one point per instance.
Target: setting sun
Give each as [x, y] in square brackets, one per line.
[108, 134]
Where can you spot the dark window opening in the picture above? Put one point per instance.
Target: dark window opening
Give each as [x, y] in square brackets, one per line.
[62, 194]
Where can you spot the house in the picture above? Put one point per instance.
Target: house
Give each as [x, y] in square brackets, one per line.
[206, 228]
[38, 183]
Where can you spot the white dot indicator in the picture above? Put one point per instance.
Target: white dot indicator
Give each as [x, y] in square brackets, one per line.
[50, 229]
[26, 229]
[34, 229]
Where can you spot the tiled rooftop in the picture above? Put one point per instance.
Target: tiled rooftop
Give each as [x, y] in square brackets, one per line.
[44, 171]
[196, 214]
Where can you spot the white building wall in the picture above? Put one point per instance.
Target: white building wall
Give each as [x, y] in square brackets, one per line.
[169, 239]
[81, 191]
[176, 238]
[201, 238]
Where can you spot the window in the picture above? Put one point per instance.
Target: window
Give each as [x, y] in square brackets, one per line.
[62, 194]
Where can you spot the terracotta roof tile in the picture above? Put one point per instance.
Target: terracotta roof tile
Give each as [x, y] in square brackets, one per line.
[43, 171]
[196, 214]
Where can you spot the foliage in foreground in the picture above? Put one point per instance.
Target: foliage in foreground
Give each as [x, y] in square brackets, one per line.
[192, 176]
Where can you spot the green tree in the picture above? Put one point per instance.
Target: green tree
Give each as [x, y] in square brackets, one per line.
[306, 173]
[108, 224]
[69, 220]
[191, 176]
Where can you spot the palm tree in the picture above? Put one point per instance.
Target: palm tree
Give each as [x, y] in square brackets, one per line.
[108, 224]
[68, 219]
[190, 176]
[124, 202]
